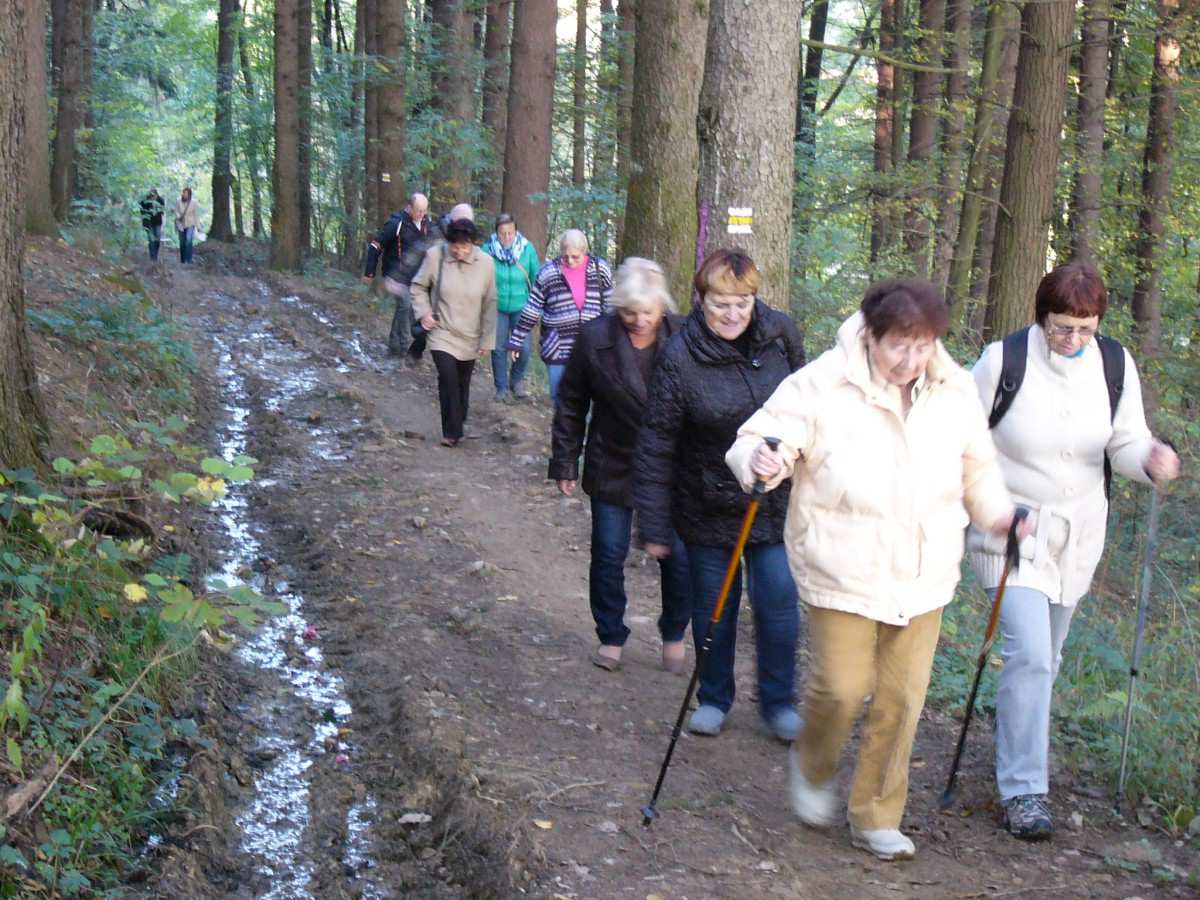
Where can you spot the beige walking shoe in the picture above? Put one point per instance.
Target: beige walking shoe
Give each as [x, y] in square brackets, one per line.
[885, 843]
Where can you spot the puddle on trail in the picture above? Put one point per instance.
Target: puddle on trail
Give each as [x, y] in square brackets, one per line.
[300, 718]
[352, 344]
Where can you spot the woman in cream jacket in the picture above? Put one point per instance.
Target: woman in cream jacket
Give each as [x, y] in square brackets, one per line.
[1051, 444]
[889, 455]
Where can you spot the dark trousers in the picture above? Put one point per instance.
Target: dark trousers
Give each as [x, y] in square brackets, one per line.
[400, 338]
[153, 239]
[454, 391]
[611, 526]
[776, 608]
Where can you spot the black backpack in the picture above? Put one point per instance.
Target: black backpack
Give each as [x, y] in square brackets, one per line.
[1012, 372]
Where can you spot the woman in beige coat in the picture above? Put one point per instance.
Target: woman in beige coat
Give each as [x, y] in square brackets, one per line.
[187, 218]
[889, 456]
[454, 299]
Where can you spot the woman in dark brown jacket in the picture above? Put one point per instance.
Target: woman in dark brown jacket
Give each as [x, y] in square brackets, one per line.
[608, 375]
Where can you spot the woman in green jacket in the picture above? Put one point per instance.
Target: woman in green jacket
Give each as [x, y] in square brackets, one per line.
[516, 266]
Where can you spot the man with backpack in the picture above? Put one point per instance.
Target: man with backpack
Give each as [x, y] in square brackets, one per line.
[1065, 410]
[152, 207]
[402, 243]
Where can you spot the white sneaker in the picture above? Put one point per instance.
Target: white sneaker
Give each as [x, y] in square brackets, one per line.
[885, 843]
[814, 805]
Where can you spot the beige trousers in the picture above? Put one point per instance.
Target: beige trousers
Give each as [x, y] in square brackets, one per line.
[852, 657]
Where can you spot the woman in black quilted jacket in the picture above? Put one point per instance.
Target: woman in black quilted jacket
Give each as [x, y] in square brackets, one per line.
[732, 353]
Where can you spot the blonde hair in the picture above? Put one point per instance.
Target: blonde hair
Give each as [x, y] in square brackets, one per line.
[640, 282]
[573, 238]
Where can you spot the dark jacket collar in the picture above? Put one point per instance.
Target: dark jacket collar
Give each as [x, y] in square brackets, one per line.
[709, 349]
[627, 371]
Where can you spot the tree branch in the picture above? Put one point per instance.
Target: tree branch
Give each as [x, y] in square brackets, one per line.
[875, 54]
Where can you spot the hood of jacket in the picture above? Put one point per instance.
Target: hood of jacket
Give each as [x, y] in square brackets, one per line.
[852, 343]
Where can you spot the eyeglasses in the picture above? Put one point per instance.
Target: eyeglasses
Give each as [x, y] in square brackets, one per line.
[1085, 332]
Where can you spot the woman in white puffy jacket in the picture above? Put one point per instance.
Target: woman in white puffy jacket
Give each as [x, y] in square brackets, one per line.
[1052, 443]
[889, 456]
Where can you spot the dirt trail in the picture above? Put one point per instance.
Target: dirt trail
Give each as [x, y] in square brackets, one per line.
[448, 590]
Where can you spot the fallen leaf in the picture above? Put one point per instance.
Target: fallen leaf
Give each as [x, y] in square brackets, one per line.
[135, 593]
[544, 824]
[415, 818]
[608, 827]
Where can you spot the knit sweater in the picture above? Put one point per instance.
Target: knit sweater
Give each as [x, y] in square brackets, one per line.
[551, 304]
[1051, 445]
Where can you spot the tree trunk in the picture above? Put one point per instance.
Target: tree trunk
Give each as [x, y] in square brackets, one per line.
[579, 107]
[922, 134]
[746, 125]
[660, 208]
[371, 162]
[352, 242]
[286, 252]
[252, 159]
[958, 23]
[393, 104]
[882, 226]
[327, 37]
[806, 122]
[76, 28]
[22, 424]
[991, 115]
[531, 105]
[495, 87]
[1030, 163]
[39, 214]
[222, 178]
[1089, 161]
[1156, 185]
[453, 97]
[239, 220]
[1116, 40]
[604, 146]
[901, 90]
[304, 77]
[627, 35]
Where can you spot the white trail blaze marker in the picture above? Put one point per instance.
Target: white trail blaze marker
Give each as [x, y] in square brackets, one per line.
[741, 220]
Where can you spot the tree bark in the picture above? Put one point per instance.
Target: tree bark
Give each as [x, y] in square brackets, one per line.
[286, 252]
[922, 134]
[531, 104]
[371, 160]
[393, 104]
[453, 97]
[253, 161]
[352, 229]
[1089, 157]
[746, 125]
[1156, 184]
[882, 226]
[22, 424]
[991, 119]
[39, 214]
[660, 207]
[579, 106]
[958, 24]
[1030, 163]
[806, 121]
[222, 177]
[76, 33]
[627, 36]
[495, 88]
[304, 78]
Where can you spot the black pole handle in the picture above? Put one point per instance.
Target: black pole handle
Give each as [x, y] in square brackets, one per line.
[1012, 548]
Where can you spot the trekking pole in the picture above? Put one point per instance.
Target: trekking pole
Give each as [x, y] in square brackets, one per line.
[1143, 604]
[1012, 560]
[649, 813]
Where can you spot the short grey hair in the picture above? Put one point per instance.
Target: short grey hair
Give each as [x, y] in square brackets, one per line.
[462, 211]
[640, 283]
[573, 239]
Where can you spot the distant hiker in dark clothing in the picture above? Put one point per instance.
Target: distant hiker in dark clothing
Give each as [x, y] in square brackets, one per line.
[402, 243]
[187, 217]
[153, 206]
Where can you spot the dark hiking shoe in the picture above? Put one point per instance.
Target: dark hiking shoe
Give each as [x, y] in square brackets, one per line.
[1028, 817]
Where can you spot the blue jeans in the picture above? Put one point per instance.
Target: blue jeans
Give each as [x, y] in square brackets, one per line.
[555, 371]
[153, 239]
[500, 363]
[611, 527]
[776, 608]
[185, 243]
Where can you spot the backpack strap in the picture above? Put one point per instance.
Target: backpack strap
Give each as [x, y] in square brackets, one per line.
[1112, 354]
[1013, 356]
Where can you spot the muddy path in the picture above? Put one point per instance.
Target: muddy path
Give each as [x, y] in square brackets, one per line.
[426, 723]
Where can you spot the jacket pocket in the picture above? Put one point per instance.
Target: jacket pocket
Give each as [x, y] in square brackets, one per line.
[943, 539]
[843, 552]
[721, 493]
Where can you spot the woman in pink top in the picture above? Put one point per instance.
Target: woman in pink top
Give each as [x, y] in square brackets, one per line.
[569, 290]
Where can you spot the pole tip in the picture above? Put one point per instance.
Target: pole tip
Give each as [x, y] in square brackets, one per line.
[947, 799]
[649, 814]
